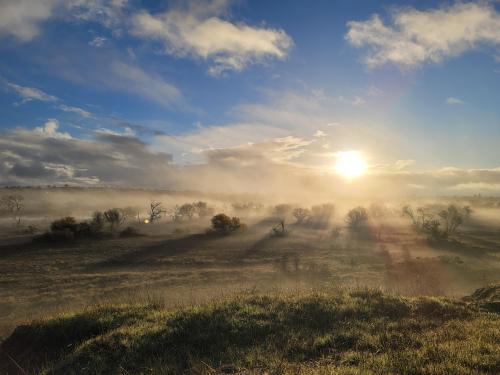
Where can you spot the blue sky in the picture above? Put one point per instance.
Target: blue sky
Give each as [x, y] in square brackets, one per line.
[412, 86]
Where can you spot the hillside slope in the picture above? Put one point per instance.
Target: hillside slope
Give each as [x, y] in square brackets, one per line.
[364, 331]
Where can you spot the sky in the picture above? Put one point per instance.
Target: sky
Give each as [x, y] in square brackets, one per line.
[251, 96]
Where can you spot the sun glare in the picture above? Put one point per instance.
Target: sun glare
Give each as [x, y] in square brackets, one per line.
[350, 164]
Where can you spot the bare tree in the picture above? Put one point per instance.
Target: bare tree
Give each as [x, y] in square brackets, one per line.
[13, 204]
[301, 214]
[452, 217]
[156, 211]
[115, 217]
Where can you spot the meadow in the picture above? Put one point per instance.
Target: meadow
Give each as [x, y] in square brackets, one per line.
[289, 292]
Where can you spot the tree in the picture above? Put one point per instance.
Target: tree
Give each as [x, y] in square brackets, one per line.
[156, 211]
[13, 204]
[452, 218]
[321, 215]
[221, 223]
[202, 209]
[301, 214]
[184, 212]
[114, 217]
[356, 218]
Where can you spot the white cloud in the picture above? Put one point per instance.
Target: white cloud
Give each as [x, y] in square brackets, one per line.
[79, 111]
[127, 132]
[416, 37]
[199, 32]
[22, 18]
[98, 41]
[454, 101]
[49, 130]
[29, 93]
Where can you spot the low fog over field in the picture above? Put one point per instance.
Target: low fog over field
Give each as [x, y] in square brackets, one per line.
[63, 248]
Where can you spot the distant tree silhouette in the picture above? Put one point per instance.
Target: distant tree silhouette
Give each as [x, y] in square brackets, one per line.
[13, 204]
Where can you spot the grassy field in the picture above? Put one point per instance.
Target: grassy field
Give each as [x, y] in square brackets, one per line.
[180, 300]
[349, 332]
[38, 280]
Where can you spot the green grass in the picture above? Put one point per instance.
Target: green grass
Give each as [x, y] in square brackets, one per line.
[353, 332]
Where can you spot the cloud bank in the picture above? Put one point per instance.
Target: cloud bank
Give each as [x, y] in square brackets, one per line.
[291, 167]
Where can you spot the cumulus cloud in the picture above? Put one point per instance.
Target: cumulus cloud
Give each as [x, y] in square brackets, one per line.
[49, 129]
[199, 31]
[30, 93]
[416, 37]
[454, 101]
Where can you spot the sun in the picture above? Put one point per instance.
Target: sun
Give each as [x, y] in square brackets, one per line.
[350, 164]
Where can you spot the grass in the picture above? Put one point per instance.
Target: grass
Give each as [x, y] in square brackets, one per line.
[353, 332]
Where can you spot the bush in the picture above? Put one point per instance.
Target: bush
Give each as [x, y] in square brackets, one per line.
[67, 228]
[66, 224]
[279, 230]
[224, 224]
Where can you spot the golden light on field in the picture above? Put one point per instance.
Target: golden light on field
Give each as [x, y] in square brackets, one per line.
[350, 164]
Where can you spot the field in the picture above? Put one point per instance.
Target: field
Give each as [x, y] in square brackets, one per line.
[284, 302]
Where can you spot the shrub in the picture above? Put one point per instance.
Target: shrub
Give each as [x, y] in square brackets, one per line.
[224, 224]
[279, 230]
[66, 224]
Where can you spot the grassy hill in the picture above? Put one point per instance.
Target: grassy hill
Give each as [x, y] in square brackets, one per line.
[354, 332]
